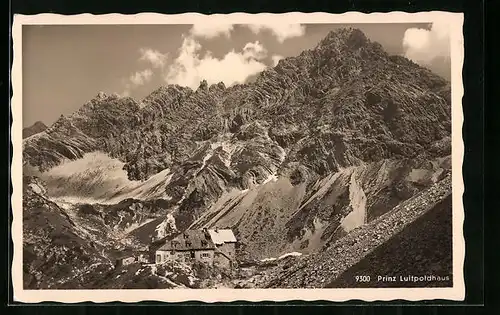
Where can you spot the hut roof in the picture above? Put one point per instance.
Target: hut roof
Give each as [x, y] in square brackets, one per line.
[222, 236]
[190, 240]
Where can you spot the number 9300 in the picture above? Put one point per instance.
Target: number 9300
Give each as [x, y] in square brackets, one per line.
[362, 278]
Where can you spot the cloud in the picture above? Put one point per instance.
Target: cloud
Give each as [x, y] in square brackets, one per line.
[134, 80]
[154, 57]
[254, 50]
[424, 46]
[211, 30]
[141, 77]
[189, 68]
[276, 59]
[280, 30]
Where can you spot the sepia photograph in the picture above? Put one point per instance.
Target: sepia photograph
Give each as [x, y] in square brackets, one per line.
[237, 157]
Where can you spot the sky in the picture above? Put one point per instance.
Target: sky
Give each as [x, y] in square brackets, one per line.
[64, 66]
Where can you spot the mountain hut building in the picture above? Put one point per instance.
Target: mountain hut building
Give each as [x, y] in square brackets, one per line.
[213, 247]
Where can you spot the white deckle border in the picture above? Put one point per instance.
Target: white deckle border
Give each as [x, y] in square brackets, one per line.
[457, 292]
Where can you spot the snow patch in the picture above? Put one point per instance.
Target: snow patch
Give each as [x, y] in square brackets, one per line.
[215, 145]
[270, 178]
[282, 154]
[205, 159]
[292, 254]
[121, 216]
[153, 270]
[104, 179]
[94, 265]
[357, 216]
[191, 280]
[136, 225]
[230, 149]
[166, 226]
[37, 189]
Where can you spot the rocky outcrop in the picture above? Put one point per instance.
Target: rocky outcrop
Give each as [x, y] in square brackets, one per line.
[420, 255]
[125, 216]
[69, 138]
[55, 248]
[37, 127]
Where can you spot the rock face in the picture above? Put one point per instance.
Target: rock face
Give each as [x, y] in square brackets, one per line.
[314, 148]
[344, 102]
[75, 247]
[427, 247]
[55, 249]
[280, 217]
[411, 222]
[37, 127]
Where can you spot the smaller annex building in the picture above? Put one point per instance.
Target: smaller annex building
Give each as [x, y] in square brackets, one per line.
[131, 257]
[213, 247]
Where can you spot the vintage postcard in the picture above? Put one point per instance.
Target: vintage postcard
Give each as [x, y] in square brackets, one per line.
[239, 157]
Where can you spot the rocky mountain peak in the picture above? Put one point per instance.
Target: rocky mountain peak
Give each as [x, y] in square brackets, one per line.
[101, 95]
[61, 121]
[218, 86]
[350, 40]
[63, 126]
[344, 36]
[166, 93]
[40, 124]
[37, 127]
[203, 86]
